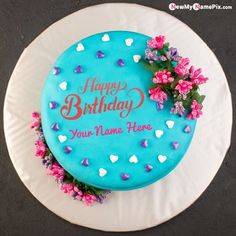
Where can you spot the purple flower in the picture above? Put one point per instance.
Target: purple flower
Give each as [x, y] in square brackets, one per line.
[172, 54]
[178, 108]
[151, 55]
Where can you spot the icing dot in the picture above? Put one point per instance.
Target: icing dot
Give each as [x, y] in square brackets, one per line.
[159, 133]
[175, 145]
[148, 167]
[67, 149]
[144, 143]
[133, 159]
[62, 138]
[102, 172]
[170, 124]
[125, 176]
[55, 127]
[120, 62]
[129, 42]
[56, 70]
[187, 129]
[136, 58]
[53, 105]
[78, 69]
[63, 85]
[80, 47]
[105, 38]
[162, 158]
[100, 54]
[113, 158]
[85, 162]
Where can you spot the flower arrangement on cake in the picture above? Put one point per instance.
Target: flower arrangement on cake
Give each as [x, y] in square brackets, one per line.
[68, 184]
[173, 79]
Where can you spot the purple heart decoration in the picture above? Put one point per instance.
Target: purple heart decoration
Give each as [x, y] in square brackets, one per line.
[85, 162]
[148, 167]
[53, 105]
[67, 149]
[100, 54]
[120, 62]
[175, 145]
[78, 69]
[125, 176]
[187, 129]
[55, 127]
[144, 143]
[56, 70]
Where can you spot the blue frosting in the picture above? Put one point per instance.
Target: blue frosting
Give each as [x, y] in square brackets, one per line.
[82, 157]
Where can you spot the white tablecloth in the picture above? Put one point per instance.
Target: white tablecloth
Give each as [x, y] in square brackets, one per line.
[131, 210]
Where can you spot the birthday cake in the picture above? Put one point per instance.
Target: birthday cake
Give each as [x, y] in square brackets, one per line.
[108, 114]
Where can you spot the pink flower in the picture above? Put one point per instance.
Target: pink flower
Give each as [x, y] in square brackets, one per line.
[72, 190]
[195, 76]
[35, 115]
[156, 94]
[163, 77]
[57, 171]
[184, 86]
[196, 110]
[67, 187]
[156, 42]
[181, 68]
[88, 199]
[78, 193]
[40, 149]
[35, 125]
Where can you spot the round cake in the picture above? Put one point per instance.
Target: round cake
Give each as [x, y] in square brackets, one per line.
[99, 121]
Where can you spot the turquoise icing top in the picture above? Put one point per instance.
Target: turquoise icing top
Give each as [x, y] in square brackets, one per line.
[98, 120]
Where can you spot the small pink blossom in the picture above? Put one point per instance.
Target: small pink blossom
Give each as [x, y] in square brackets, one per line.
[40, 149]
[195, 110]
[163, 77]
[184, 86]
[72, 190]
[156, 42]
[57, 171]
[35, 125]
[181, 69]
[88, 199]
[196, 77]
[156, 94]
[35, 115]
[67, 187]
[77, 193]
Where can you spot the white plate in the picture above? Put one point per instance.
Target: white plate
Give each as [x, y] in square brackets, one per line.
[132, 210]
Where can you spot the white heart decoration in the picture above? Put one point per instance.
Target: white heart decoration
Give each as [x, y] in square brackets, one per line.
[136, 58]
[80, 47]
[102, 172]
[62, 138]
[159, 133]
[63, 85]
[105, 38]
[133, 159]
[162, 158]
[129, 42]
[170, 124]
[113, 158]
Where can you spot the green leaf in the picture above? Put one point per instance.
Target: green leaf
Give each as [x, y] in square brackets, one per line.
[174, 83]
[201, 99]
[166, 45]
